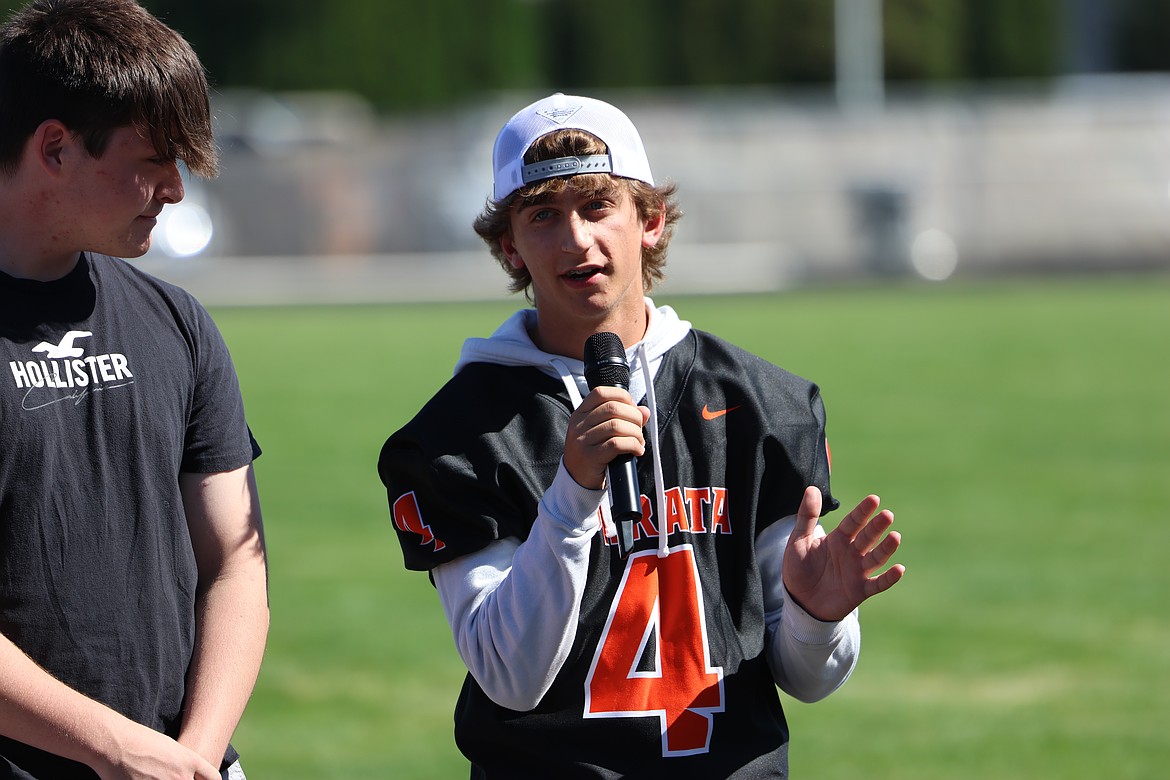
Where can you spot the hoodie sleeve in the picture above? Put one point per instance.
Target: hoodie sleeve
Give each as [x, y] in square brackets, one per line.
[513, 607]
[809, 658]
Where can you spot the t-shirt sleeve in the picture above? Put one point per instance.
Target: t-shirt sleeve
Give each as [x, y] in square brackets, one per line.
[218, 437]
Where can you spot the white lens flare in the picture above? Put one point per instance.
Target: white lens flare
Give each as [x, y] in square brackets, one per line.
[934, 255]
[183, 230]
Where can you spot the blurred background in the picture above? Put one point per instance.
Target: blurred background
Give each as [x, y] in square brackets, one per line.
[956, 214]
[811, 139]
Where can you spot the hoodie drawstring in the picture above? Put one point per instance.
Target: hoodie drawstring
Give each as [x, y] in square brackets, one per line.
[660, 495]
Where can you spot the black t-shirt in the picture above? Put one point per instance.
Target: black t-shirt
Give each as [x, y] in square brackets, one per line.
[112, 383]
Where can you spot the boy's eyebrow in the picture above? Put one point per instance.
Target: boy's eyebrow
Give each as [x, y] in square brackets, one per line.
[535, 200]
[609, 190]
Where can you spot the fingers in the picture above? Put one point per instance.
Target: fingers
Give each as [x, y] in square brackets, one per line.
[880, 555]
[204, 769]
[809, 512]
[866, 533]
[859, 516]
[885, 580]
[605, 426]
[870, 536]
[870, 533]
[611, 420]
[876, 552]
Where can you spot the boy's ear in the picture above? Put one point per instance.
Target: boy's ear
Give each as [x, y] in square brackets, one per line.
[508, 247]
[653, 229]
[48, 144]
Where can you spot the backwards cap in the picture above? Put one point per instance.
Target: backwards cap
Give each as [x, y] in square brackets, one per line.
[626, 158]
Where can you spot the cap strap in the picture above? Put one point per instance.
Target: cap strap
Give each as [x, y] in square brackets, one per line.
[566, 166]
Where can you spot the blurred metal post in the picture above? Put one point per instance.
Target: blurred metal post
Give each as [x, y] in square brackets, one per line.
[880, 206]
[860, 58]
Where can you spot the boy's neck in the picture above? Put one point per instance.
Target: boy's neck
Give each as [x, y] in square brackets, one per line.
[570, 342]
[23, 263]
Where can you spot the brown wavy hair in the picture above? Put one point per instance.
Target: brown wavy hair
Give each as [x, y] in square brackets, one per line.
[496, 219]
[97, 66]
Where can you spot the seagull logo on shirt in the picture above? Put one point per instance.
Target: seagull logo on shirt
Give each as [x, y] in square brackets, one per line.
[64, 348]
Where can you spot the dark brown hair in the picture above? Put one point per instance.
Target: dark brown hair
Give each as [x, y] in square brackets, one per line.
[496, 219]
[99, 65]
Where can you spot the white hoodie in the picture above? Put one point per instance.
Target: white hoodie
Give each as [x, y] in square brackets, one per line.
[515, 645]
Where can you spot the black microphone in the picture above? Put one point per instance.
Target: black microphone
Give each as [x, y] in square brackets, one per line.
[605, 366]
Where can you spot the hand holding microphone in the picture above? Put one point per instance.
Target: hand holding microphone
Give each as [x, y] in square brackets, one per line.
[606, 366]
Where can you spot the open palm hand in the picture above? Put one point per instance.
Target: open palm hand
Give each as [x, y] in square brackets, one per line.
[829, 575]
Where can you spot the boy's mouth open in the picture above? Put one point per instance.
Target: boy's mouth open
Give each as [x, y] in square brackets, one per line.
[581, 274]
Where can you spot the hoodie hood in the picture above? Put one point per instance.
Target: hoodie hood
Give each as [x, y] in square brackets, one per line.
[511, 345]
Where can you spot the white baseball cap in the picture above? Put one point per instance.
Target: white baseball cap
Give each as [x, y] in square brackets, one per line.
[626, 158]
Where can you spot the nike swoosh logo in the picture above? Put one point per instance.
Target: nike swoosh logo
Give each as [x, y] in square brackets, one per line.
[715, 415]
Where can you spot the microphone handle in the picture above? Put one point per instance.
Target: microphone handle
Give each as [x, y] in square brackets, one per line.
[626, 500]
[605, 364]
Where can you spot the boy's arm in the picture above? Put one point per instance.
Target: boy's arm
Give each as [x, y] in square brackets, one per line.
[39, 710]
[231, 607]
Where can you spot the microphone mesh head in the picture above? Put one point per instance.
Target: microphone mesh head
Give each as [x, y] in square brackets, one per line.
[605, 361]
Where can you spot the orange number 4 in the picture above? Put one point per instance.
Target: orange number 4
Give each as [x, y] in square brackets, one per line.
[653, 659]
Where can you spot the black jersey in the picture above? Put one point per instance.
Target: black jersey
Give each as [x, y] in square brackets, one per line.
[668, 671]
[112, 383]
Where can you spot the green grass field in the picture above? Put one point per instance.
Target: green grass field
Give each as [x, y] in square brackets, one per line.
[1019, 429]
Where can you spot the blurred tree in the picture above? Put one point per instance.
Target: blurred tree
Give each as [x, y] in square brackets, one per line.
[923, 39]
[710, 42]
[804, 42]
[397, 54]
[685, 42]
[575, 50]
[1012, 38]
[229, 49]
[1141, 39]
[404, 54]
